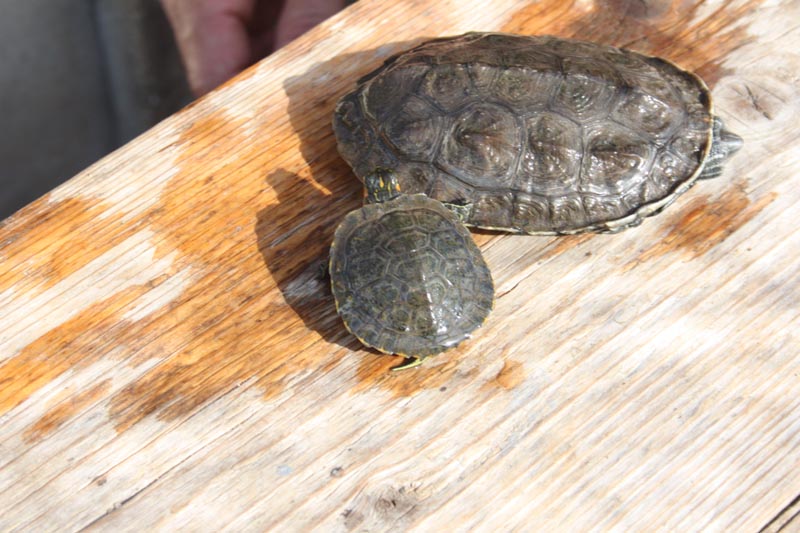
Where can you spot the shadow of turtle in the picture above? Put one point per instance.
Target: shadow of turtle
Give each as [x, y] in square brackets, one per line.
[294, 234]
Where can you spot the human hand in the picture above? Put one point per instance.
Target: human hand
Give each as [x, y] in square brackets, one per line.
[219, 38]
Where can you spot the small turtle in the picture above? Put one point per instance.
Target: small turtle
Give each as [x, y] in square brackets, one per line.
[537, 135]
[406, 275]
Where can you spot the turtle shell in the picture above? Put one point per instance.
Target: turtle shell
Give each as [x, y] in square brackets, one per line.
[408, 278]
[539, 135]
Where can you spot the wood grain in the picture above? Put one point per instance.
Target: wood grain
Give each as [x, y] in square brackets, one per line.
[171, 359]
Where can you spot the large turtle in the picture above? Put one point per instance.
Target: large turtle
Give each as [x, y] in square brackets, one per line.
[406, 275]
[538, 135]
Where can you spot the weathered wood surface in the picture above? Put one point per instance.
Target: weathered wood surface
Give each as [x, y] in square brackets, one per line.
[169, 358]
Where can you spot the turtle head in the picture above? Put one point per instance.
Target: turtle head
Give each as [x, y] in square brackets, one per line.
[723, 144]
[382, 185]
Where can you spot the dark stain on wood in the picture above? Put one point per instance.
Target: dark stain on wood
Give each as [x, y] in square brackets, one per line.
[218, 316]
[73, 345]
[670, 29]
[271, 235]
[62, 412]
[705, 222]
[43, 238]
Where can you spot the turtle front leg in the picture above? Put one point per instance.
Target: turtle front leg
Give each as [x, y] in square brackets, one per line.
[723, 143]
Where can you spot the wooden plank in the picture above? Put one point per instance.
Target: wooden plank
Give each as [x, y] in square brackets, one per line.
[169, 357]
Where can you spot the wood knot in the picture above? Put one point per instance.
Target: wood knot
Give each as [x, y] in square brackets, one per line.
[397, 501]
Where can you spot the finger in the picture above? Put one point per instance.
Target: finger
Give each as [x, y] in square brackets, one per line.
[299, 16]
[212, 37]
[262, 27]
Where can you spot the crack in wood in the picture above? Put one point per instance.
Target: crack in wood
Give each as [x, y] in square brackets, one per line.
[118, 505]
[500, 295]
[754, 100]
[788, 516]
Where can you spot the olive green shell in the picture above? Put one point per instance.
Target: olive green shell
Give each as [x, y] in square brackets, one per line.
[539, 135]
[408, 278]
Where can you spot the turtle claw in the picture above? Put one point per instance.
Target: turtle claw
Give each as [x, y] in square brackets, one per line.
[323, 271]
[408, 362]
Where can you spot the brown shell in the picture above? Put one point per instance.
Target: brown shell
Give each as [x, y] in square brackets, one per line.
[540, 135]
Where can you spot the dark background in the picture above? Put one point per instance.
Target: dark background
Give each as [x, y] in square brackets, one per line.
[78, 78]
